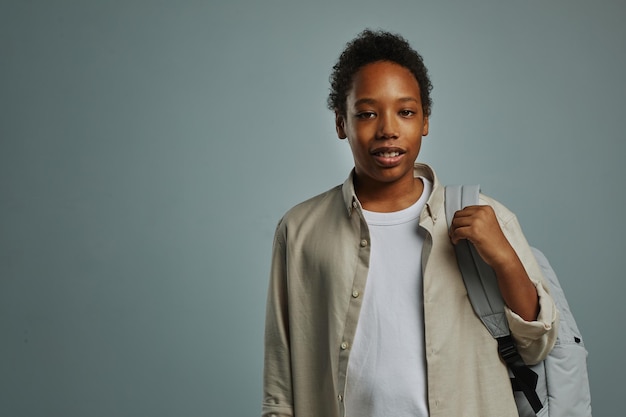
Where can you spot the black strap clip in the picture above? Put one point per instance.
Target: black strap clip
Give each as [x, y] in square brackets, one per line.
[525, 379]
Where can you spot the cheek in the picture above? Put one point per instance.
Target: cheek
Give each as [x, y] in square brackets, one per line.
[417, 147]
[353, 148]
[359, 151]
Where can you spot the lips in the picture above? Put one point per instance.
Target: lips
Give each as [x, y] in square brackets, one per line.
[388, 154]
[388, 157]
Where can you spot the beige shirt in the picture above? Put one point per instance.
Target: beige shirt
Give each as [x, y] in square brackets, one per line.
[318, 276]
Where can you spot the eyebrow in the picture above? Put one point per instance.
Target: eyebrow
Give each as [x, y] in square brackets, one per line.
[372, 101]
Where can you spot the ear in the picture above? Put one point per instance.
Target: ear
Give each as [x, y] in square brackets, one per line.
[425, 127]
[340, 125]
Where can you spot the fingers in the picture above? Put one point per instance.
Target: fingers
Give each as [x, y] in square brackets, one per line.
[475, 223]
[479, 225]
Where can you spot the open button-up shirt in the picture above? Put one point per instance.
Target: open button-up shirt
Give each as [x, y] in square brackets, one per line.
[318, 276]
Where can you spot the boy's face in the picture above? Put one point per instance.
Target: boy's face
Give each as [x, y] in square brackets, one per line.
[384, 123]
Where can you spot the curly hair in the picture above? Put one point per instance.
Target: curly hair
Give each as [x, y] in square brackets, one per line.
[373, 46]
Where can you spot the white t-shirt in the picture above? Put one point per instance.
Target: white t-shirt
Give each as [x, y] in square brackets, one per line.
[387, 366]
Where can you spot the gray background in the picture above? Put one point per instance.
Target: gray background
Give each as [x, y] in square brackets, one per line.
[148, 148]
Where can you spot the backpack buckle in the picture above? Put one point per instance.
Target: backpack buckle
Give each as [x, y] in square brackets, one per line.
[525, 379]
[508, 351]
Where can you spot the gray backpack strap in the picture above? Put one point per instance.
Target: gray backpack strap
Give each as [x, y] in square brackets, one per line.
[484, 295]
[480, 279]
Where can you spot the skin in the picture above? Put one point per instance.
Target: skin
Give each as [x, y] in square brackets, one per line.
[480, 226]
[384, 125]
[384, 114]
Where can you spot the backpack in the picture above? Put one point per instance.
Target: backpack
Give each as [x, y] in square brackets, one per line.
[559, 385]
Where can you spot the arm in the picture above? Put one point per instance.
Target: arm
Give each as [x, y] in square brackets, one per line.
[530, 310]
[479, 225]
[277, 384]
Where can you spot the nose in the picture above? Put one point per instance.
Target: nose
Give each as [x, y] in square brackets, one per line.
[387, 126]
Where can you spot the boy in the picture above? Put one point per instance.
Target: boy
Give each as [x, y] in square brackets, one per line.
[367, 313]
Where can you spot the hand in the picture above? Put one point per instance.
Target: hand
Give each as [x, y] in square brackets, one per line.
[479, 225]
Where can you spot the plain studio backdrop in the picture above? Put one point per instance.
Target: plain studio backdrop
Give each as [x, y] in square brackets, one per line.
[148, 149]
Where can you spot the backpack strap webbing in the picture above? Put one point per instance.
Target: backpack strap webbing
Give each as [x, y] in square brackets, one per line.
[484, 295]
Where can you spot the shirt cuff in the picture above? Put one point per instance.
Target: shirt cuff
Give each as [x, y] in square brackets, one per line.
[526, 332]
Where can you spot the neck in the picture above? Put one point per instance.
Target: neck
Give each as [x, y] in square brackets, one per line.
[388, 197]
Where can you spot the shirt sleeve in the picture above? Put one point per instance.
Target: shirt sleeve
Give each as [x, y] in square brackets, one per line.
[535, 338]
[277, 378]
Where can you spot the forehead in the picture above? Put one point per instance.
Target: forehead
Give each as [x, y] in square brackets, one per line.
[383, 79]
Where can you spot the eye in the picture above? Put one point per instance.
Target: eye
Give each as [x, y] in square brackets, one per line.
[407, 113]
[365, 115]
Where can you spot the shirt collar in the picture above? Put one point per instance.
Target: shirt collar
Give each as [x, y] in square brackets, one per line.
[433, 205]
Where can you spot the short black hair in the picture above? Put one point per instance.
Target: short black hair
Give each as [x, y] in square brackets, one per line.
[373, 46]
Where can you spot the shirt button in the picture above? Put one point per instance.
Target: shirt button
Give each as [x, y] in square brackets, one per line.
[354, 204]
[363, 243]
[355, 294]
[344, 346]
[340, 397]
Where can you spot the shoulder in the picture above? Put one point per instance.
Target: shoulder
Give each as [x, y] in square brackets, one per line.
[512, 230]
[315, 209]
[504, 215]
